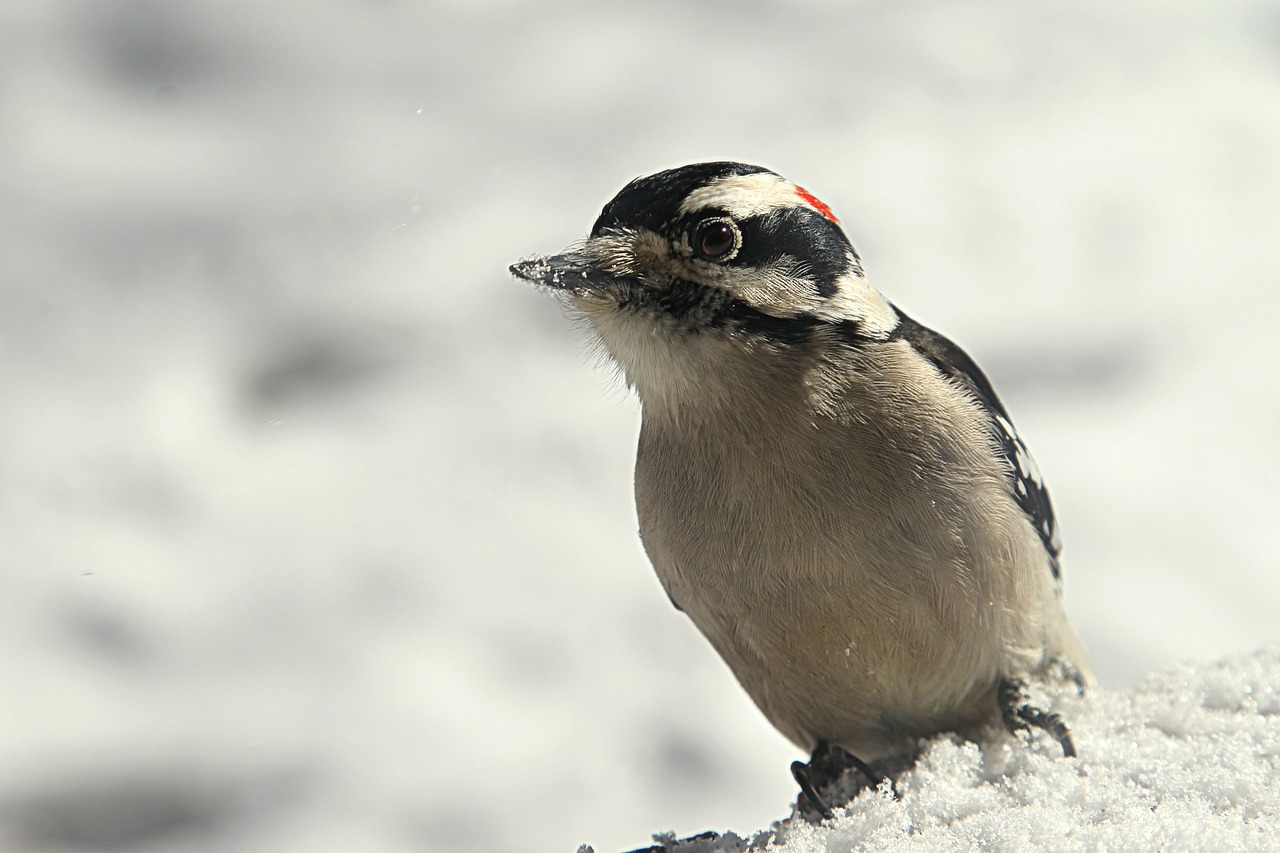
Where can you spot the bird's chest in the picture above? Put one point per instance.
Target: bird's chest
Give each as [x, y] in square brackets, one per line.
[805, 545]
[766, 539]
[737, 514]
[819, 581]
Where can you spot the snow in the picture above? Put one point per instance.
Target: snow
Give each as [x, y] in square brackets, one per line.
[1187, 760]
[316, 527]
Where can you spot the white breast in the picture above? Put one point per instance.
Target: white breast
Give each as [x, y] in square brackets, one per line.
[841, 533]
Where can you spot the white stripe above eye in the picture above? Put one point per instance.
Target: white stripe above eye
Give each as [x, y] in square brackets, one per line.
[741, 196]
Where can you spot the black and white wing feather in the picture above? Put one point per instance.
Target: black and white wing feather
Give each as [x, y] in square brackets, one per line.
[1025, 480]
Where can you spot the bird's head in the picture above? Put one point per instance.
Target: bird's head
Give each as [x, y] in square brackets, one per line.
[702, 261]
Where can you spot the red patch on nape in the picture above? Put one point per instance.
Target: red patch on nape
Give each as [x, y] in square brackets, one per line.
[816, 203]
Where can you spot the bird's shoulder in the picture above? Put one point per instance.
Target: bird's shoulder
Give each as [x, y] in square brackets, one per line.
[1026, 483]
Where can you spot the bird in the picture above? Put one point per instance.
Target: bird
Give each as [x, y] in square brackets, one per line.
[831, 491]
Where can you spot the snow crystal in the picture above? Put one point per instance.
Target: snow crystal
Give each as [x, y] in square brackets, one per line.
[1190, 759]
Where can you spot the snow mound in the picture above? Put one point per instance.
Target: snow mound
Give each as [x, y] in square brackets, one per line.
[1189, 759]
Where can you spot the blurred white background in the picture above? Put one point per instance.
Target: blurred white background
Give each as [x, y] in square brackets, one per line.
[316, 529]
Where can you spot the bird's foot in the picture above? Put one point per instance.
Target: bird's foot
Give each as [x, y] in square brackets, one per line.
[1063, 669]
[1020, 715]
[825, 767]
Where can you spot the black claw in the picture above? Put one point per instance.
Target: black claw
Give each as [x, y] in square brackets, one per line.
[667, 845]
[1019, 715]
[827, 764]
[848, 759]
[1051, 723]
[800, 772]
[1068, 671]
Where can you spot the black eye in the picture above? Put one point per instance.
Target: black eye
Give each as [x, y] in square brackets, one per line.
[717, 239]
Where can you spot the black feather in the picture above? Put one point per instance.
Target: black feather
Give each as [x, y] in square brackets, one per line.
[652, 201]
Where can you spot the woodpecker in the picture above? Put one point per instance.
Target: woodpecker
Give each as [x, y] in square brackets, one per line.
[831, 491]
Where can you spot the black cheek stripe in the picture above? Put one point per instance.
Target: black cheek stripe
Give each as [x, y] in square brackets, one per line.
[802, 235]
[699, 309]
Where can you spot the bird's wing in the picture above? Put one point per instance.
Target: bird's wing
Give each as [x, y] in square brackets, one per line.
[1025, 482]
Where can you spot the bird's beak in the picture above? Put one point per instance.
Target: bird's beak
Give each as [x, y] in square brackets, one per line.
[569, 271]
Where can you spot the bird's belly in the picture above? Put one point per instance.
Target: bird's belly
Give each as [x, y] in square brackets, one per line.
[859, 594]
[863, 668]
[864, 636]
